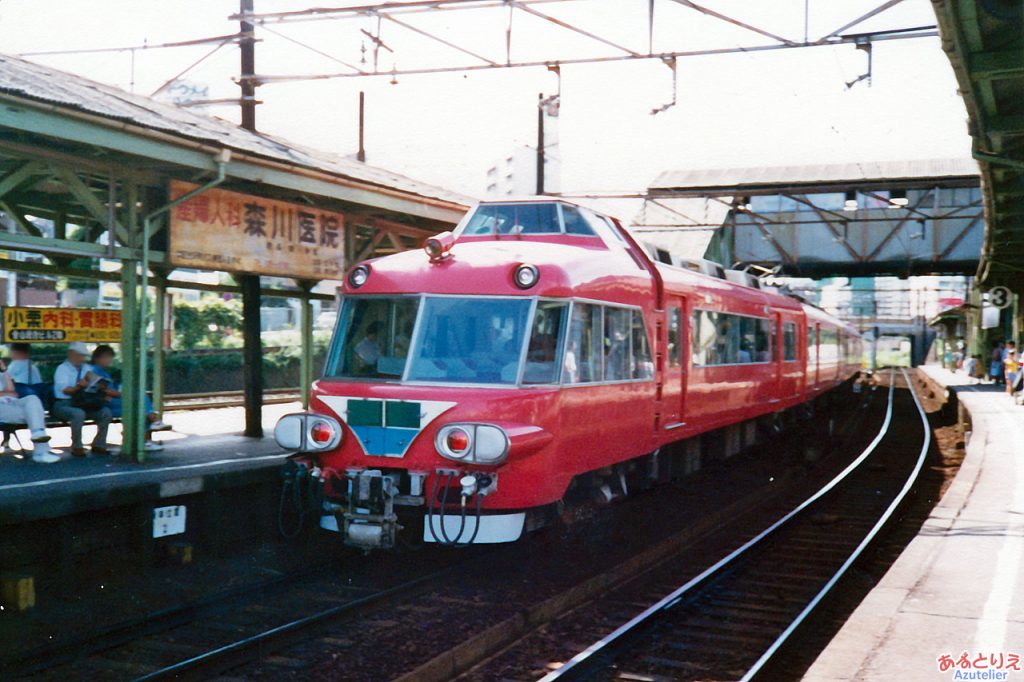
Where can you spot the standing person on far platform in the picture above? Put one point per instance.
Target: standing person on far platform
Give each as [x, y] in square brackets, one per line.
[1012, 365]
[995, 367]
[75, 402]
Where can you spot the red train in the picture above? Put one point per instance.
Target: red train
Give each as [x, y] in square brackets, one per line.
[538, 356]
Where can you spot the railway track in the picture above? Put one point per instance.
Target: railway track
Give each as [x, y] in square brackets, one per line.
[729, 620]
[201, 640]
[203, 401]
[295, 626]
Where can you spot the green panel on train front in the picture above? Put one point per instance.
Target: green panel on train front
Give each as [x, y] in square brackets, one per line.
[406, 415]
[366, 412]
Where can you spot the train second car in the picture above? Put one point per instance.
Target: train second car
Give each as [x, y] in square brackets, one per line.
[534, 356]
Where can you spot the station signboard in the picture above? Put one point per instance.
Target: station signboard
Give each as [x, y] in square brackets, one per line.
[234, 232]
[60, 325]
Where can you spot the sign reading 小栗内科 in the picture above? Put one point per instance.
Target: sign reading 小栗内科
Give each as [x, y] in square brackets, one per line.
[223, 230]
[61, 325]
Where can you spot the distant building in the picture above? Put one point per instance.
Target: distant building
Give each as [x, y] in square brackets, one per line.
[516, 174]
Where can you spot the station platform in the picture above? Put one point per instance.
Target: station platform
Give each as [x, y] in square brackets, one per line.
[953, 602]
[203, 449]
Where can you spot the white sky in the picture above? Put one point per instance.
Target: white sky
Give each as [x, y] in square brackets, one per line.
[767, 108]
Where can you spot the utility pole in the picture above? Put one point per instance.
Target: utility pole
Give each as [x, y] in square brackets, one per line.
[252, 351]
[540, 143]
[361, 154]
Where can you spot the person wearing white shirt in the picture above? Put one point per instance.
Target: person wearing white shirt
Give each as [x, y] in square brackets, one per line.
[70, 380]
[27, 411]
[21, 369]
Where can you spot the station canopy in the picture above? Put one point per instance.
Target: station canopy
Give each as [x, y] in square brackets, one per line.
[985, 44]
[92, 127]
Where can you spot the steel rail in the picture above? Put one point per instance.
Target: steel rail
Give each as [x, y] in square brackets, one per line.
[578, 663]
[875, 529]
[243, 650]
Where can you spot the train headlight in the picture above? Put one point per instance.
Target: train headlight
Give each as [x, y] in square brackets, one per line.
[358, 276]
[438, 246]
[476, 443]
[305, 432]
[526, 276]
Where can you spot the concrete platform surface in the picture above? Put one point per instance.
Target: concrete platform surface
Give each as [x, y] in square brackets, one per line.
[952, 604]
[204, 444]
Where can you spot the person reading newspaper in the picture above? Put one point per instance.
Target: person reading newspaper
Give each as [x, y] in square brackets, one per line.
[80, 395]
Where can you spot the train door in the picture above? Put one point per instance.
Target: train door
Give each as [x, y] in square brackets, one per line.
[813, 336]
[674, 384]
[789, 371]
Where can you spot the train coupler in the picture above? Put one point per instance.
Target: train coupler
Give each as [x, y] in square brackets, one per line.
[369, 521]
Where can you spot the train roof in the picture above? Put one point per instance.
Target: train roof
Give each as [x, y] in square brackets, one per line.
[591, 258]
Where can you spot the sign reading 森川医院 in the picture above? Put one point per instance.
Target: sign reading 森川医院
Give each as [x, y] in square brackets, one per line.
[224, 230]
[61, 325]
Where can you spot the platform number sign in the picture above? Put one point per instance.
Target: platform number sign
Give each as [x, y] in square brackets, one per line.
[168, 521]
[999, 297]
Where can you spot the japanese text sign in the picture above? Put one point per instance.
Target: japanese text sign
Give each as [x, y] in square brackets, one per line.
[61, 325]
[223, 230]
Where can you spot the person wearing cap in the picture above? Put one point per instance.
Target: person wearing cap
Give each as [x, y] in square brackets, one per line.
[27, 410]
[70, 379]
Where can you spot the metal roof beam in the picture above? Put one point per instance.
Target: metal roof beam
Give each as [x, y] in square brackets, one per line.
[566, 25]
[18, 176]
[734, 22]
[100, 213]
[861, 19]
[996, 64]
[19, 219]
[1007, 124]
[438, 39]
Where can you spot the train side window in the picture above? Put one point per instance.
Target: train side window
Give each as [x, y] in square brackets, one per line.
[545, 340]
[641, 366]
[616, 344]
[575, 222]
[789, 341]
[582, 362]
[812, 345]
[704, 334]
[675, 348]
[828, 345]
[727, 339]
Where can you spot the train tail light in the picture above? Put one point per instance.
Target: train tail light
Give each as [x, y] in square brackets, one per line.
[473, 443]
[305, 432]
[438, 246]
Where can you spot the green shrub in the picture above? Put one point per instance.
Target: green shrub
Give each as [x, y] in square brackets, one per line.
[206, 323]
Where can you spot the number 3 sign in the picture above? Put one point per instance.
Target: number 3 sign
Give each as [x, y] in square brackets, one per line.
[999, 297]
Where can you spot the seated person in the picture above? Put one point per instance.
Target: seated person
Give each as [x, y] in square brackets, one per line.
[74, 403]
[25, 375]
[29, 411]
[367, 351]
[102, 358]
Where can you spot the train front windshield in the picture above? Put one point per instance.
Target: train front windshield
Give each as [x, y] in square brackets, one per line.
[451, 340]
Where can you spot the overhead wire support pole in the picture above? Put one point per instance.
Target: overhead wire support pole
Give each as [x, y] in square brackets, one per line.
[252, 351]
[137, 412]
[540, 143]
